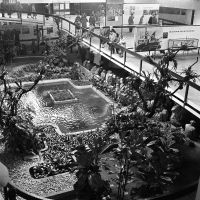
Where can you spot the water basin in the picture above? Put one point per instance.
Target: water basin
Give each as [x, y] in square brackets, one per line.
[77, 109]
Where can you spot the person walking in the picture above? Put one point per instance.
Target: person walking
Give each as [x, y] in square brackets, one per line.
[19, 10]
[131, 22]
[34, 15]
[153, 19]
[84, 22]
[28, 10]
[46, 11]
[3, 9]
[92, 19]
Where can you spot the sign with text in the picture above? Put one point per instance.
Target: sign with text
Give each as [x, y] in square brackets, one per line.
[152, 38]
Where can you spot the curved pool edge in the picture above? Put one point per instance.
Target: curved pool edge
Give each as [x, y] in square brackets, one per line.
[63, 80]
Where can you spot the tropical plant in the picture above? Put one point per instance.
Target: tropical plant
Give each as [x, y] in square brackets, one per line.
[90, 185]
[18, 130]
[147, 154]
[154, 89]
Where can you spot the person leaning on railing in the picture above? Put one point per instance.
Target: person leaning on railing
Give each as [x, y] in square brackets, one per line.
[4, 177]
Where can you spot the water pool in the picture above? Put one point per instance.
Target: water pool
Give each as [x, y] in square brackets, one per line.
[88, 112]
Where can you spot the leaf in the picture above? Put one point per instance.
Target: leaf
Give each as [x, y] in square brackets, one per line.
[166, 178]
[145, 138]
[172, 173]
[151, 143]
[161, 148]
[174, 150]
[149, 151]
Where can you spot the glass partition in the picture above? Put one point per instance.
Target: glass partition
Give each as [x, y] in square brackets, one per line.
[66, 25]
[72, 29]
[192, 97]
[95, 42]
[132, 62]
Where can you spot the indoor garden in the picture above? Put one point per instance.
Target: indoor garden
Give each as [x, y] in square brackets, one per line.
[101, 139]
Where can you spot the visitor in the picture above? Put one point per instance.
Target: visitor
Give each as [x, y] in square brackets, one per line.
[117, 41]
[34, 16]
[4, 177]
[122, 42]
[153, 19]
[104, 32]
[112, 38]
[46, 9]
[141, 19]
[29, 10]
[131, 22]
[92, 22]
[84, 21]
[92, 19]
[9, 9]
[77, 25]
[19, 10]
[3, 9]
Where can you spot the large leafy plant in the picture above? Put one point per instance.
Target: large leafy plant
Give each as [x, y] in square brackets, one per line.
[89, 183]
[147, 154]
[18, 130]
[153, 87]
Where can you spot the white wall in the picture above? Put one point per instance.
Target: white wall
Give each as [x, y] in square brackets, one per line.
[184, 4]
[185, 19]
[197, 17]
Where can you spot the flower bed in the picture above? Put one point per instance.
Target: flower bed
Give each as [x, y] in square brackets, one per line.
[20, 175]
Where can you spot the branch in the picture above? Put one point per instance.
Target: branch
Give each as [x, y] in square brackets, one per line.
[180, 87]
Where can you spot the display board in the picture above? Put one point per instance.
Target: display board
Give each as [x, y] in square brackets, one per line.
[141, 12]
[114, 12]
[152, 38]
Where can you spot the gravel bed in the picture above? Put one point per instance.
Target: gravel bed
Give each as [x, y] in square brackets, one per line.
[20, 176]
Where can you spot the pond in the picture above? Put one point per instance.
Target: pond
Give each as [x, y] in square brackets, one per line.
[71, 108]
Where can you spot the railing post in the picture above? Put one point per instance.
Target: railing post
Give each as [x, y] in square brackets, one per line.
[90, 40]
[43, 20]
[61, 24]
[140, 67]
[100, 45]
[186, 94]
[69, 27]
[124, 58]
